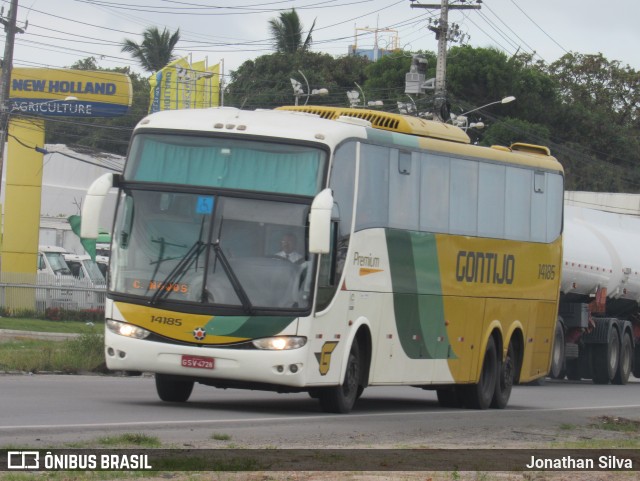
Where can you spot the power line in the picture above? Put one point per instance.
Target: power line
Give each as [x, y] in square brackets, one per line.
[539, 27]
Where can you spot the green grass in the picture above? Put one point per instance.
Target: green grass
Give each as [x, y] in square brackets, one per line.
[567, 427]
[628, 430]
[619, 424]
[42, 325]
[628, 443]
[82, 354]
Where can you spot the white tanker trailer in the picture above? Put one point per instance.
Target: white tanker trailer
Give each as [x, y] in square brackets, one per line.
[598, 332]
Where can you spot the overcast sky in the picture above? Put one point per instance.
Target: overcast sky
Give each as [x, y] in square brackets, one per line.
[60, 32]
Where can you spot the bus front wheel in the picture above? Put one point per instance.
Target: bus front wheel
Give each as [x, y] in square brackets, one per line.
[173, 389]
[340, 399]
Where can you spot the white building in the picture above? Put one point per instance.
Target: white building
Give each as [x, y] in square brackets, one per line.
[66, 176]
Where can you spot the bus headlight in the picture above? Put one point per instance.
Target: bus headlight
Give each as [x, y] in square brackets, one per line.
[281, 343]
[127, 330]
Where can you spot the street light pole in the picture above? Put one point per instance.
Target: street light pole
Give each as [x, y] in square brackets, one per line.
[463, 122]
[505, 100]
[299, 92]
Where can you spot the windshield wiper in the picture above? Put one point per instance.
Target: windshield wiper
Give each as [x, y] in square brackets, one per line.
[181, 267]
[235, 282]
[178, 271]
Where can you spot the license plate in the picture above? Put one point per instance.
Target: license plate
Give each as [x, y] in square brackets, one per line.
[197, 362]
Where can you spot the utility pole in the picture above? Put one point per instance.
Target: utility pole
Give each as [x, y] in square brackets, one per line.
[443, 34]
[7, 64]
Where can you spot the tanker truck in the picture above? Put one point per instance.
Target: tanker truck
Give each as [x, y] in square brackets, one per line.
[597, 334]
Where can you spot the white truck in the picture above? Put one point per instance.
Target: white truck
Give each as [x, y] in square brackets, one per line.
[55, 282]
[90, 282]
[69, 281]
[84, 268]
[51, 261]
[598, 331]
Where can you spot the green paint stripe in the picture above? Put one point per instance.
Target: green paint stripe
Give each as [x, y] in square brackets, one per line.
[417, 299]
[248, 327]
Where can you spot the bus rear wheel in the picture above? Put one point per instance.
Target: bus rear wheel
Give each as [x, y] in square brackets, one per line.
[340, 399]
[504, 383]
[173, 389]
[479, 396]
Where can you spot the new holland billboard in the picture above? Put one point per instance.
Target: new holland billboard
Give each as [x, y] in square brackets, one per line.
[69, 93]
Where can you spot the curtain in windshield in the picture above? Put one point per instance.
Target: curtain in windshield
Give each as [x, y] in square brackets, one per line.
[214, 162]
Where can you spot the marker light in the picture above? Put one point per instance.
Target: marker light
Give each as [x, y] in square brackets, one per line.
[282, 343]
[127, 330]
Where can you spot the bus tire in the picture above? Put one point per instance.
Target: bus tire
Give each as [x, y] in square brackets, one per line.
[340, 399]
[173, 389]
[606, 358]
[626, 361]
[557, 354]
[480, 395]
[506, 377]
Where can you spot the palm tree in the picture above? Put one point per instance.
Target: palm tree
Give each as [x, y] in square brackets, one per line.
[287, 31]
[156, 49]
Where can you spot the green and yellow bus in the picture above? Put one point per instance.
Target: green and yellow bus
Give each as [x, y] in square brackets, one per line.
[416, 259]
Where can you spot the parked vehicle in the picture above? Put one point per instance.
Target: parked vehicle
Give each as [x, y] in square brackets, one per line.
[103, 264]
[51, 261]
[55, 274]
[91, 284]
[83, 267]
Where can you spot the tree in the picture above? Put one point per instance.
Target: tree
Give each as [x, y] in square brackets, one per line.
[265, 81]
[287, 32]
[597, 82]
[156, 49]
[478, 76]
[509, 130]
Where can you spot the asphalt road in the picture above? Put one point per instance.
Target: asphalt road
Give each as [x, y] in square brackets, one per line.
[49, 410]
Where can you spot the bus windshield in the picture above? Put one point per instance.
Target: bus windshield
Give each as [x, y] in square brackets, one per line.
[206, 250]
[226, 163]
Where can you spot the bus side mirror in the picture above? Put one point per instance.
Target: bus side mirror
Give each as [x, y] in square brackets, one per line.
[92, 206]
[320, 223]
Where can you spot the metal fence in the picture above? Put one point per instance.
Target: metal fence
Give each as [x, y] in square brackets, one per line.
[39, 292]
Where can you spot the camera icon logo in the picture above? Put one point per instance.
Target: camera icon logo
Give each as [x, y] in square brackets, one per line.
[23, 460]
